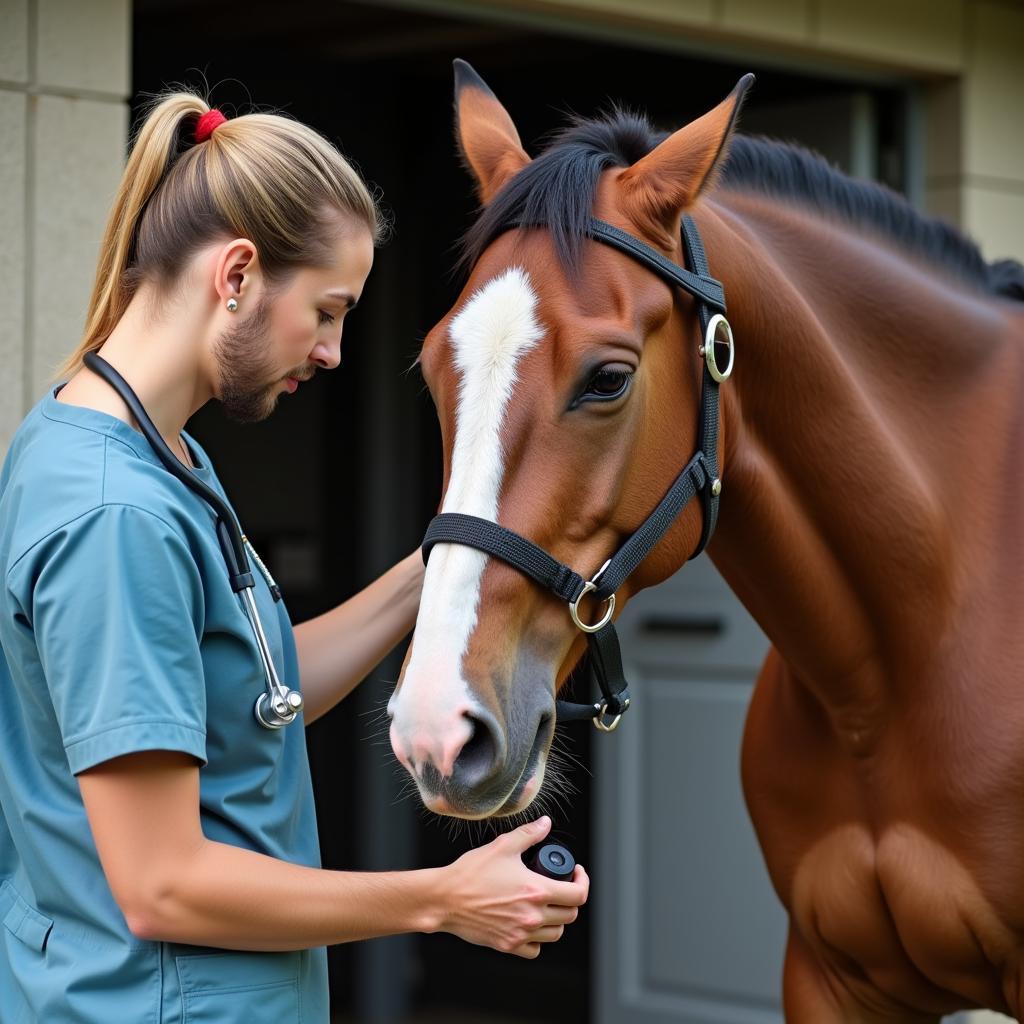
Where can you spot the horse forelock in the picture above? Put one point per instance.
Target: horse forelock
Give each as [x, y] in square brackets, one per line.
[558, 188]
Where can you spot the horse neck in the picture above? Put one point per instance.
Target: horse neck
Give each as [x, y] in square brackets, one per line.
[864, 387]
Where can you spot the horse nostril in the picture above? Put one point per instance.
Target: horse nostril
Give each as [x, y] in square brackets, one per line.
[481, 753]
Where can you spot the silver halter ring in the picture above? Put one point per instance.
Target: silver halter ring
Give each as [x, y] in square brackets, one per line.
[589, 587]
[718, 330]
[599, 720]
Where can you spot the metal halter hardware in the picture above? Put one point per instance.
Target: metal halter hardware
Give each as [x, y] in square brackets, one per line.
[707, 350]
[699, 477]
[588, 588]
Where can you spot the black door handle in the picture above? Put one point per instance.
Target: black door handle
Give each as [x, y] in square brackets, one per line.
[703, 627]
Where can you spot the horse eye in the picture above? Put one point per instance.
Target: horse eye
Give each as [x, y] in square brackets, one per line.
[609, 383]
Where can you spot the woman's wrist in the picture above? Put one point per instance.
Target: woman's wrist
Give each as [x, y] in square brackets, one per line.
[413, 562]
[412, 570]
[435, 904]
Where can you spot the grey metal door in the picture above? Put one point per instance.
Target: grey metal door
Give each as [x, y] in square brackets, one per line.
[688, 927]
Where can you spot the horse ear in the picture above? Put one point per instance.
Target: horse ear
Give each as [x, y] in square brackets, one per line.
[661, 185]
[488, 140]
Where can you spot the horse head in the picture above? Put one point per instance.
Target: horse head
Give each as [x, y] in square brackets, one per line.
[567, 385]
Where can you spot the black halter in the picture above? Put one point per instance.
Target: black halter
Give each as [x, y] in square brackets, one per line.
[699, 477]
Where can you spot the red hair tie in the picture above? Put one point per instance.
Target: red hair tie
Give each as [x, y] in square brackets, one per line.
[207, 123]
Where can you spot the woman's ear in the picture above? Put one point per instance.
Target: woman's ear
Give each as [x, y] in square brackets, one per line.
[487, 138]
[660, 186]
[237, 271]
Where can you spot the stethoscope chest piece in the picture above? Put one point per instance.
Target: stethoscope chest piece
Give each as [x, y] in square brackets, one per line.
[274, 713]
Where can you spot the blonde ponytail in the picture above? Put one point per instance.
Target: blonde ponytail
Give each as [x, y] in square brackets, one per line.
[151, 154]
[261, 176]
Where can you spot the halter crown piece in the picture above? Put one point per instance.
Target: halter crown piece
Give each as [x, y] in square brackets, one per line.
[699, 478]
[207, 123]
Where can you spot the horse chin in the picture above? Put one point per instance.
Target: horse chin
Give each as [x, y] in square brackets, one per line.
[517, 803]
[523, 795]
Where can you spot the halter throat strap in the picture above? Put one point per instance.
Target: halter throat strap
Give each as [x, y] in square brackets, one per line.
[699, 477]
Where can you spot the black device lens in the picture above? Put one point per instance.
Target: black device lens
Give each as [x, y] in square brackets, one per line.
[552, 860]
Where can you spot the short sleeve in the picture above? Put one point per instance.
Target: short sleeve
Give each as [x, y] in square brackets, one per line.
[117, 612]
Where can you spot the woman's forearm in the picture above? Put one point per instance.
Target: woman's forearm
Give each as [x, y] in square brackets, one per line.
[228, 897]
[339, 648]
[175, 884]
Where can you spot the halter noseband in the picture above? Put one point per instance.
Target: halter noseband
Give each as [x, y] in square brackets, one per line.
[699, 477]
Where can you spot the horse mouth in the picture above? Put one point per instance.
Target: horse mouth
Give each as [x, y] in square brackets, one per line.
[447, 801]
[525, 790]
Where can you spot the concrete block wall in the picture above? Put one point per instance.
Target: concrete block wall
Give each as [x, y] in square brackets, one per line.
[65, 76]
[991, 181]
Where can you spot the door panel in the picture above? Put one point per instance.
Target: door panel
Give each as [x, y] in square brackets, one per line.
[704, 884]
[689, 929]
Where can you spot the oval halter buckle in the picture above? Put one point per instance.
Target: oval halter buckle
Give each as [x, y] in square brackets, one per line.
[718, 330]
[589, 587]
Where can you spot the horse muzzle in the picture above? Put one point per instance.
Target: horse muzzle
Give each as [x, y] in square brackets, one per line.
[469, 764]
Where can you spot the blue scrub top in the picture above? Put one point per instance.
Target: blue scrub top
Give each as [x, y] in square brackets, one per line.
[120, 633]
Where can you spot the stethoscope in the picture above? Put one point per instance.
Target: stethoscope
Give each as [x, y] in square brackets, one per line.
[279, 705]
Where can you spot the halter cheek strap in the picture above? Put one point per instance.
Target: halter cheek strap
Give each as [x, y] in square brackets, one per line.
[699, 477]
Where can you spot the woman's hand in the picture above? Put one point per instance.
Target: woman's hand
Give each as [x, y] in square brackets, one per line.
[492, 899]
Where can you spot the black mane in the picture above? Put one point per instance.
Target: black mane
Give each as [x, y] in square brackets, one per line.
[558, 188]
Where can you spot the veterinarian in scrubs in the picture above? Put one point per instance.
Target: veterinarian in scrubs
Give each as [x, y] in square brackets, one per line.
[159, 858]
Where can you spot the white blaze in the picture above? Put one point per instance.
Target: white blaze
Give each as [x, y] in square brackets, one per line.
[489, 336]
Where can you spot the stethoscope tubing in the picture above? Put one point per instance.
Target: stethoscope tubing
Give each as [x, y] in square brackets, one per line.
[278, 705]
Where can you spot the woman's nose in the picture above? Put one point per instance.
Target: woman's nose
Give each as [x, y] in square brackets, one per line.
[326, 356]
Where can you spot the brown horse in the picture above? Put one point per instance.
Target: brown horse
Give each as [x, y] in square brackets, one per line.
[872, 521]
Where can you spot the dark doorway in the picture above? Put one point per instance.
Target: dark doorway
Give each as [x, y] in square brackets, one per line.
[339, 483]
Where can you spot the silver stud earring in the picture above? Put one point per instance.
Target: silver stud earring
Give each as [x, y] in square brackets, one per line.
[232, 305]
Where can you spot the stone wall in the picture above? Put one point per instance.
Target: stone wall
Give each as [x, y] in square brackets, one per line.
[64, 82]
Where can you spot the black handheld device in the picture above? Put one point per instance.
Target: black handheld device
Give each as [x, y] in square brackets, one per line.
[551, 859]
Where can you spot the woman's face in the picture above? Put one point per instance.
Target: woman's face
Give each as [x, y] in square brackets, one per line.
[293, 332]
